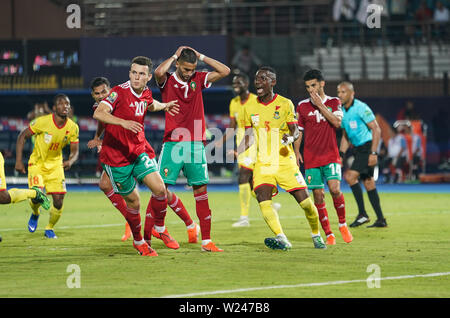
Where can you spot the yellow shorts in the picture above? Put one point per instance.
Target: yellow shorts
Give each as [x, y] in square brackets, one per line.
[287, 176]
[2, 173]
[52, 179]
[247, 159]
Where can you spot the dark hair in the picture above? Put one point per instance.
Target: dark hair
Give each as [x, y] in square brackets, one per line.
[58, 96]
[97, 81]
[244, 77]
[268, 69]
[143, 60]
[188, 55]
[313, 74]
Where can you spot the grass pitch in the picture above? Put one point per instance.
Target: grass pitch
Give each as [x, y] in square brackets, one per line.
[417, 242]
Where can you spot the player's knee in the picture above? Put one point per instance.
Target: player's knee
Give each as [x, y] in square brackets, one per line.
[58, 204]
[5, 198]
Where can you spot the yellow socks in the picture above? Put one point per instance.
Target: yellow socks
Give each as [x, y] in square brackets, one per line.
[34, 207]
[55, 214]
[271, 217]
[244, 196]
[18, 195]
[311, 215]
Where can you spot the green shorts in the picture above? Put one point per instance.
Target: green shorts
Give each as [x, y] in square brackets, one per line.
[186, 156]
[314, 176]
[123, 179]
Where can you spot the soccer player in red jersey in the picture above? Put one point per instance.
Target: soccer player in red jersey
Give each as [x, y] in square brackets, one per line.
[124, 155]
[184, 135]
[318, 118]
[100, 89]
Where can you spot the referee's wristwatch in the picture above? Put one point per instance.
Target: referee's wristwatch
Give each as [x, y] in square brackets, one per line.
[374, 153]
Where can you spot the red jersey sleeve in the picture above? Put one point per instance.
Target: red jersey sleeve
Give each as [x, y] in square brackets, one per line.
[300, 117]
[203, 79]
[112, 98]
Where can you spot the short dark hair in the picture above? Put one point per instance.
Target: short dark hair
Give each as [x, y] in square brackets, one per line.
[97, 81]
[143, 60]
[313, 74]
[268, 69]
[188, 55]
[58, 96]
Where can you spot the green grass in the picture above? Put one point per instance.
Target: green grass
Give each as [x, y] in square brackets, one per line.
[416, 242]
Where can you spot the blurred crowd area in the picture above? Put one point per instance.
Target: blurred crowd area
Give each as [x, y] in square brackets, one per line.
[400, 67]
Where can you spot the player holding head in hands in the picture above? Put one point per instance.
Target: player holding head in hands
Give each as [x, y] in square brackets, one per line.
[318, 118]
[184, 134]
[124, 155]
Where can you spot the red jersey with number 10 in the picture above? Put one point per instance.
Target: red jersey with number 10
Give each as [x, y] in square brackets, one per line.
[120, 146]
[320, 145]
[189, 123]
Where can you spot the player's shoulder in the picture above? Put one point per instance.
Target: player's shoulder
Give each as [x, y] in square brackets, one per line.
[303, 102]
[333, 101]
[283, 100]
[72, 125]
[45, 119]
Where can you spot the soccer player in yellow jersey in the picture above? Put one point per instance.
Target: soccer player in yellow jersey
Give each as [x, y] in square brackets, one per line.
[46, 165]
[246, 160]
[272, 118]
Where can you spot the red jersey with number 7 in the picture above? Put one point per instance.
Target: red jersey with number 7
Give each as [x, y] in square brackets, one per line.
[189, 123]
[319, 136]
[120, 146]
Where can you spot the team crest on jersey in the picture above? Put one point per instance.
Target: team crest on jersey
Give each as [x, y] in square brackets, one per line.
[309, 179]
[166, 171]
[112, 97]
[119, 185]
[255, 119]
[193, 85]
[276, 115]
[47, 138]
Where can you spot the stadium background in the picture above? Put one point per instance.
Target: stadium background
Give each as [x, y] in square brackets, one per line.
[407, 60]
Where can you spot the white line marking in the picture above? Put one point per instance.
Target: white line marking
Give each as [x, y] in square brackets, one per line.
[339, 282]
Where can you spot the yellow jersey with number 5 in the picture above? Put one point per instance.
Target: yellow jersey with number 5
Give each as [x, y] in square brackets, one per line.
[50, 139]
[270, 122]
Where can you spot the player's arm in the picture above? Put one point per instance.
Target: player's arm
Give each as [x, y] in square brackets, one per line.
[172, 107]
[220, 69]
[229, 132]
[161, 71]
[376, 135]
[297, 144]
[333, 119]
[345, 144]
[73, 156]
[20, 144]
[103, 114]
[246, 142]
[294, 134]
[97, 142]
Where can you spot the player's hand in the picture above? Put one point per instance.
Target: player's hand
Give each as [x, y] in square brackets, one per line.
[172, 108]
[233, 153]
[373, 160]
[132, 125]
[181, 48]
[20, 167]
[287, 139]
[299, 158]
[67, 164]
[315, 98]
[93, 143]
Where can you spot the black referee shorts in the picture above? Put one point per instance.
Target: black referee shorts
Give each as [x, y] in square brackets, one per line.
[361, 162]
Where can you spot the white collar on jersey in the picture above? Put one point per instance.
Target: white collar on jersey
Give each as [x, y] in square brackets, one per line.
[179, 80]
[133, 92]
